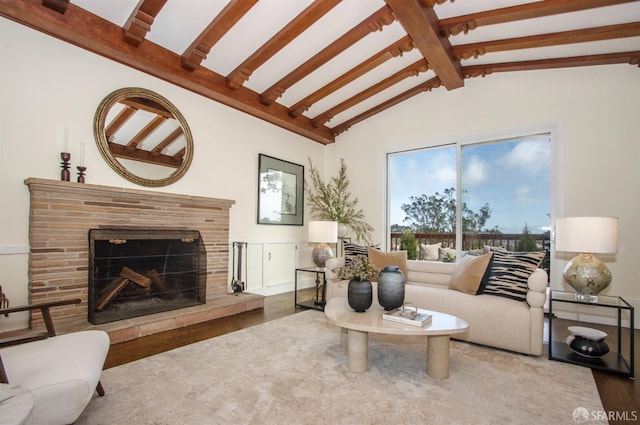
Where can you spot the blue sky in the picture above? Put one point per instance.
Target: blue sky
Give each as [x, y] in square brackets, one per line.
[512, 176]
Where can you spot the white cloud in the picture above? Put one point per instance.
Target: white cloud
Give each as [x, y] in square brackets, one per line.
[530, 156]
[475, 172]
[420, 173]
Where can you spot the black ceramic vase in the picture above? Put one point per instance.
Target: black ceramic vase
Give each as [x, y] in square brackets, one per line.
[360, 295]
[391, 288]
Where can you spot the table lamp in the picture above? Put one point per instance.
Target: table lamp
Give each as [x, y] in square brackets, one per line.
[585, 273]
[323, 233]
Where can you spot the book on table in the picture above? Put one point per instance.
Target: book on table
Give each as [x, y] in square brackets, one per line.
[408, 315]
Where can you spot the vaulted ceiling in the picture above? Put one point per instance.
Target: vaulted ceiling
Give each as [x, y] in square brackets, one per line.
[318, 67]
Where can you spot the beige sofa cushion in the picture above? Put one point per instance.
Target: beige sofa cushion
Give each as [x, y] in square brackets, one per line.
[469, 273]
[380, 259]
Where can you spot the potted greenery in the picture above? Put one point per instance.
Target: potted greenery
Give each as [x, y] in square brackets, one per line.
[332, 201]
[448, 258]
[359, 271]
[409, 243]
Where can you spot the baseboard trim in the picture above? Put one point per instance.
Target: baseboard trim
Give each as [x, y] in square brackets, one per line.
[14, 249]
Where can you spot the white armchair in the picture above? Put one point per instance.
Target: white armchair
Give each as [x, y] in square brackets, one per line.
[62, 372]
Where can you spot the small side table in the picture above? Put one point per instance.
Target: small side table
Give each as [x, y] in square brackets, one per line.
[16, 404]
[321, 288]
[620, 358]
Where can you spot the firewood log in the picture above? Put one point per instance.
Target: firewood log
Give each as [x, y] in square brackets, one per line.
[160, 285]
[110, 291]
[135, 277]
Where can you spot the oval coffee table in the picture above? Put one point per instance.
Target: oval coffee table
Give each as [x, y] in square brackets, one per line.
[358, 326]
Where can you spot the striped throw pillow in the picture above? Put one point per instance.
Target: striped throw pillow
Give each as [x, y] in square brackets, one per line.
[352, 250]
[510, 272]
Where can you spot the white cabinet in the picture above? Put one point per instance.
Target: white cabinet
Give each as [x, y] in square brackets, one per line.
[270, 266]
[280, 264]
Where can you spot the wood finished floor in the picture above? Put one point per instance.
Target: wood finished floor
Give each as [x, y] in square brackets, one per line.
[618, 394]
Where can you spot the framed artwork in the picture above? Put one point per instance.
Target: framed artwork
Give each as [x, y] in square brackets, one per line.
[280, 191]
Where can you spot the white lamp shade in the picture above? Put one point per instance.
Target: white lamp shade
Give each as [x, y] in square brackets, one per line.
[587, 234]
[323, 231]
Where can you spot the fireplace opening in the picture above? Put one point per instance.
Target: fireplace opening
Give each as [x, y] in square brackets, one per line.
[139, 272]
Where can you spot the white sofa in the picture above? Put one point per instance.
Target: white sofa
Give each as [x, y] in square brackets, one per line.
[494, 321]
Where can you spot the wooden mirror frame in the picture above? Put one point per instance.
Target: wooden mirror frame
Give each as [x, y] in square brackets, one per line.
[103, 144]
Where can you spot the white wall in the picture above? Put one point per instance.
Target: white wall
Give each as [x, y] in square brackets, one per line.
[593, 114]
[46, 85]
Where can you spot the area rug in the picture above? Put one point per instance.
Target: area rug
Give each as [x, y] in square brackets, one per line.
[294, 371]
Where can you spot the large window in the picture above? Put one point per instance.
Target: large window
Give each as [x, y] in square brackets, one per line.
[467, 195]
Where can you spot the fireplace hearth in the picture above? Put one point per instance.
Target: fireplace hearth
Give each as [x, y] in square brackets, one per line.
[134, 272]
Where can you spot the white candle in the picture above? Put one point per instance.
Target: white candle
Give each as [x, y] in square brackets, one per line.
[66, 139]
[82, 154]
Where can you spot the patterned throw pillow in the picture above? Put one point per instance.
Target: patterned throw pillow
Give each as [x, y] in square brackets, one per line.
[510, 272]
[351, 250]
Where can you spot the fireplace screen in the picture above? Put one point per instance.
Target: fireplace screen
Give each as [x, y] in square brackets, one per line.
[138, 272]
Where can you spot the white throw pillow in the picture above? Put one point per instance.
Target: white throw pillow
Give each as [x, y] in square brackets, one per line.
[430, 252]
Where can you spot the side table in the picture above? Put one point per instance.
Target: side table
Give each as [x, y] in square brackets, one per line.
[321, 288]
[620, 358]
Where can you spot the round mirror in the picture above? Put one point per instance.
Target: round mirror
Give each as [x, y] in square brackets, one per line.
[143, 137]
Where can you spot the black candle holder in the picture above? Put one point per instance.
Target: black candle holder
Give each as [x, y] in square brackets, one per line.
[81, 173]
[65, 174]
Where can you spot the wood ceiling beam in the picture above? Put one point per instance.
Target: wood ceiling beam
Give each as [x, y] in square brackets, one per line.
[410, 71]
[95, 34]
[375, 22]
[632, 58]
[139, 23]
[157, 150]
[148, 105]
[466, 51]
[405, 44]
[179, 156]
[140, 137]
[465, 23]
[433, 3]
[120, 151]
[221, 24]
[426, 86]
[422, 25]
[119, 120]
[293, 29]
[59, 6]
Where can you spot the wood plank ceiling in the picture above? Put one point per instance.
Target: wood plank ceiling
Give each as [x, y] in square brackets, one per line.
[318, 67]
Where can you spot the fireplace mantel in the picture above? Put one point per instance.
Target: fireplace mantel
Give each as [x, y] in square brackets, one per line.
[61, 215]
[114, 191]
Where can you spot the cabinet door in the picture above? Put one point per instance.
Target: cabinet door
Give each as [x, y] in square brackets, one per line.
[280, 263]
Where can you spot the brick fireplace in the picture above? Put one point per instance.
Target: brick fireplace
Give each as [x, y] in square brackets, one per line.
[62, 213]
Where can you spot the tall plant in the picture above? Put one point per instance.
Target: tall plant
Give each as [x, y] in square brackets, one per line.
[409, 243]
[333, 201]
